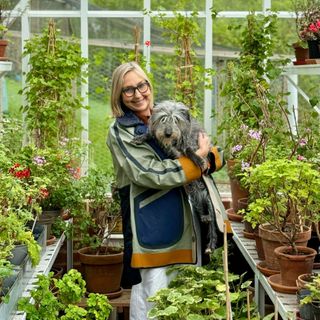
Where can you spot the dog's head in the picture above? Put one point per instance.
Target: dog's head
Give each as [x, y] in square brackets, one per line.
[169, 122]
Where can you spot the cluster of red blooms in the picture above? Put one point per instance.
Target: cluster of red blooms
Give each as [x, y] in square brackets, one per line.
[20, 173]
[75, 172]
[44, 193]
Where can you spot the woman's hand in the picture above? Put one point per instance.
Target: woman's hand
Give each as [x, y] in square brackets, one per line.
[204, 145]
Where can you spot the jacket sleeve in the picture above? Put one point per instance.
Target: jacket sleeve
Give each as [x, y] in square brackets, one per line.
[215, 160]
[141, 164]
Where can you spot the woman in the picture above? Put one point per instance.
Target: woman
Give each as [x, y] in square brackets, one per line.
[157, 218]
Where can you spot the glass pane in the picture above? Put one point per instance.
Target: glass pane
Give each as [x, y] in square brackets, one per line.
[174, 5]
[124, 5]
[54, 5]
[110, 43]
[236, 5]
[280, 5]
[68, 26]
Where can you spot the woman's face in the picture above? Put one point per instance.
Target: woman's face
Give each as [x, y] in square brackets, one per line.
[138, 102]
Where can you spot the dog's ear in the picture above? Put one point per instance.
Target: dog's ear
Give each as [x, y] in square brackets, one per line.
[187, 115]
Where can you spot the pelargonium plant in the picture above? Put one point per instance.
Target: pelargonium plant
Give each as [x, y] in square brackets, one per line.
[307, 19]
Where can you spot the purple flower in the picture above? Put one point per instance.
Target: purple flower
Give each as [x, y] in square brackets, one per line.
[236, 148]
[244, 165]
[254, 134]
[243, 127]
[39, 160]
[303, 142]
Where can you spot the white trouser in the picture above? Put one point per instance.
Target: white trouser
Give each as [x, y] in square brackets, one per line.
[154, 279]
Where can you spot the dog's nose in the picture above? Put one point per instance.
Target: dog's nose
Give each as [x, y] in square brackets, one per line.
[168, 132]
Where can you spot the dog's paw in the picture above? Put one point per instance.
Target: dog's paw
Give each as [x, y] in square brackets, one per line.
[206, 218]
[139, 139]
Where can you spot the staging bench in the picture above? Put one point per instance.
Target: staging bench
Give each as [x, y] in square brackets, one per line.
[28, 276]
[286, 304]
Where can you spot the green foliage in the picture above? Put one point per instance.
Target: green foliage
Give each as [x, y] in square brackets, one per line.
[189, 76]
[286, 195]
[45, 305]
[5, 13]
[103, 203]
[200, 293]
[251, 103]
[98, 309]
[59, 301]
[52, 98]
[314, 287]
[71, 287]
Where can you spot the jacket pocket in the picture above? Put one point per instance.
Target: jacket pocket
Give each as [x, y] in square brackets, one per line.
[159, 218]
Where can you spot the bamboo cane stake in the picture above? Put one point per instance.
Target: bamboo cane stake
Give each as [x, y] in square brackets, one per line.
[276, 314]
[248, 304]
[226, 278]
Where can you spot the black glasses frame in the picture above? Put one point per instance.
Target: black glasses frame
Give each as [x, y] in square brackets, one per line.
[127, 91]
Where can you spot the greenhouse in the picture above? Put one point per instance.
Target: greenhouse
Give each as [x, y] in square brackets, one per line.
[159, 159]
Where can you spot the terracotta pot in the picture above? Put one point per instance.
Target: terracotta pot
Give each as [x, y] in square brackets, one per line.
[303, 279]
[259, 246]
[237, 192]
[102, 273]
[3, 46]
[301, 53]
[271, 239]
[292, 265]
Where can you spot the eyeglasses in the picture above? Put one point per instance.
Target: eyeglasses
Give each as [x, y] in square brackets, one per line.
[131, 91]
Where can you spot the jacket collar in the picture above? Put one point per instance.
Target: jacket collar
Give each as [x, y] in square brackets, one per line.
[129, 119]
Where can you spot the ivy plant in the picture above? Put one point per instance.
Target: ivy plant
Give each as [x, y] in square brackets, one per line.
[51, 86]
[188, 75]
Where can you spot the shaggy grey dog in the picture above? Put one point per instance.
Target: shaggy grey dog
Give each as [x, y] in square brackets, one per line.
[177, 132]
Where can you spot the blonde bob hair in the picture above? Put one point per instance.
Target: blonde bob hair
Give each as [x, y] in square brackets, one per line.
[117, 86]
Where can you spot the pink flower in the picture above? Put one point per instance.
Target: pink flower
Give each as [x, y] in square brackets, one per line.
[318, 23]
[313, 28]
[148, 43]
[301, 158]
[303, 142]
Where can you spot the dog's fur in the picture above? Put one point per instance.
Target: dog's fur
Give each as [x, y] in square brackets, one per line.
[177, 132]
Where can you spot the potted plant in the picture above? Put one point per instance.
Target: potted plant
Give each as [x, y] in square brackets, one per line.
[52, 101]
[287, 200]
[309, 299]
[308, 24]
[6, 270]
[250, 105]
[5, 10]
[102, 263]
[62, 301]
[301, 52]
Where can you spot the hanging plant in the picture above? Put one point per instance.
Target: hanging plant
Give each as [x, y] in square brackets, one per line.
[51, 86]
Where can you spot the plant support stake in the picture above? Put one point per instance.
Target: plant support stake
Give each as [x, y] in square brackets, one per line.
[225, 268]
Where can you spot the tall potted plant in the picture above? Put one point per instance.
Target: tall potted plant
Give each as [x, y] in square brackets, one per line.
[287, 201]
[102, 262]
[51, 87]
[251, 106]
